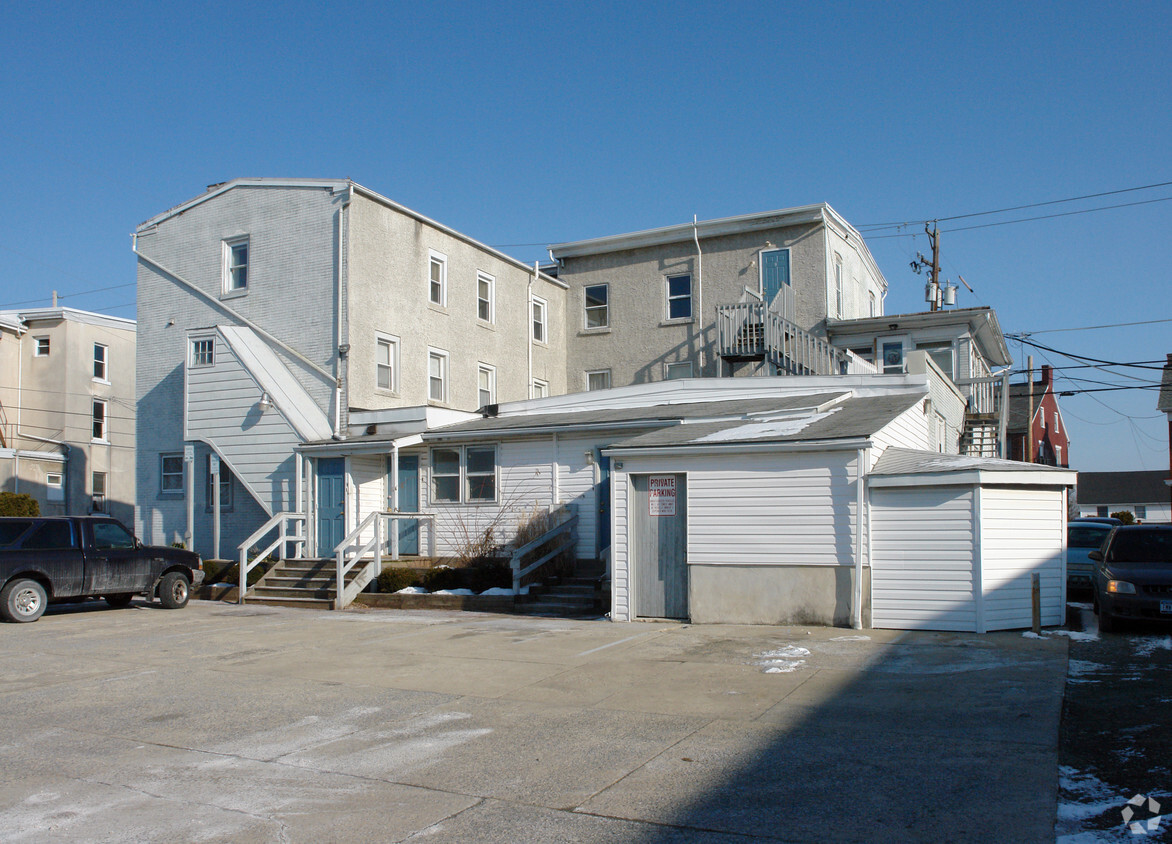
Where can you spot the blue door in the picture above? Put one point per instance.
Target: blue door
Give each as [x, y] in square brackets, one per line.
[774, 273]
[331, 496]
[409, 503]
[602, 498]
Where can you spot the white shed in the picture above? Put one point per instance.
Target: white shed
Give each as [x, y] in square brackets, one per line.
[956, 540]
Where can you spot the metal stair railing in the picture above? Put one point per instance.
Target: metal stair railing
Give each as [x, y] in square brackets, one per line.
[283, 521]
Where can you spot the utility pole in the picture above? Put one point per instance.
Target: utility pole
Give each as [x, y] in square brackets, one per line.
[1030, 418]
[921, 264]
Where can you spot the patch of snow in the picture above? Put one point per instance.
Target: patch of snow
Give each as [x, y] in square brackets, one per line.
[453, 592]
[783, 660]
[1030, 634]
[412, 590]
[851, 639]
[1079, 606]
[1075, 635]
[1083, 796]
[787, 652]
[1078, 669]
[1150, 644]
[498, 590]
[762, 430]
[786, 667]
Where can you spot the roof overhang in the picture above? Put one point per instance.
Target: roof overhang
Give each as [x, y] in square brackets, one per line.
[347, 448]
[687, 449]
[975, 477]
[982, 324]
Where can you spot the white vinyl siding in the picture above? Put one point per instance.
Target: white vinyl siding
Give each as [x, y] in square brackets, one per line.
[1021, 533]
[576, 486]
[924, 558]
[620, 609]
[369, 473]
[908, 430]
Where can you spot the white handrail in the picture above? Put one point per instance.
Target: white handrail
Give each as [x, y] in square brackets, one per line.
[283, 537]
[349, 552]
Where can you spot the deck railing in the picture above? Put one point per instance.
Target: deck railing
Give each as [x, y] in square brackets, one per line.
[382, 528]
[752, 329]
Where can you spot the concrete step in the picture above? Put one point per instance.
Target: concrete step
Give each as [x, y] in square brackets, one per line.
[303, 603]
[317, 593]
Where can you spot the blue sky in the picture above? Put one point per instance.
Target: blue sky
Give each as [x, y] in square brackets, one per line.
[531, 123]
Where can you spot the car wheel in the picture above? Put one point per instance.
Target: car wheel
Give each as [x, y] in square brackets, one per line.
[23, 600]
[1107, 622]
[174, 590]
[119, 601]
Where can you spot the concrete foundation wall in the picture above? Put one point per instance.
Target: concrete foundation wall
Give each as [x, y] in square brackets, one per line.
[775, 594]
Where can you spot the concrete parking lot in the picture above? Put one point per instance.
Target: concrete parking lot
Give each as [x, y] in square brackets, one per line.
[229, 723]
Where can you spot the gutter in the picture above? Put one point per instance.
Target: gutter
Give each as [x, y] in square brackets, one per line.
[682, 449]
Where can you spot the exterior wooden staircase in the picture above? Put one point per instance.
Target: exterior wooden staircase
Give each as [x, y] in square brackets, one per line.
[299, 583]
[585, 592]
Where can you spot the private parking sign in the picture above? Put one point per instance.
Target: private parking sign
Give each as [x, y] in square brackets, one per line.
[661, 491]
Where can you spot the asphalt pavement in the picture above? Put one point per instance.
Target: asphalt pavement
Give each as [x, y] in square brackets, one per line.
[227, 723]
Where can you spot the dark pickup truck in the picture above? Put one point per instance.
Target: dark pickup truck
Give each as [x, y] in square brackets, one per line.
[60, 559]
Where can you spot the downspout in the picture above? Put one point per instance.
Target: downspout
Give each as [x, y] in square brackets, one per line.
[529, 330]
[699, 289]
[343, 345]
[857, 602]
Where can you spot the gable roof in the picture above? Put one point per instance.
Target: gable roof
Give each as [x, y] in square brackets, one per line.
[1122, 487]
[1019, 405]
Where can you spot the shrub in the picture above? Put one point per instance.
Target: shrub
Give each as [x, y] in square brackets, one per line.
[1125, 516]
[225, 571]
[393, 579]
[18, 504]
[443, 577]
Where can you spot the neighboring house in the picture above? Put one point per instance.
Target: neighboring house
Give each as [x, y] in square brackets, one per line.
[271, 310]
[964, 345]
[1143, 494]
[67, 413]
[768, 500]
[1040, 436]
[739, 295]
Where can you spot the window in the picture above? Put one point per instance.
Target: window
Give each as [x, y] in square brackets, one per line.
[1101, 511]
[437, 289]
[597, 309]
[867, 353]
[99, 420]
[445, 474]
[839, 308]
[486, 385]
[673, 371]
[892, 357]
[225, 488]
[1058, 455]
[539, 310]
[1141, 511]
[203, 352]
[679, 297]
[437, 375]
[386, 364]
[871, 303]
[1056, 422]
[540, 389]
[42, 350]
[98, 491]
[465, 474]
[236, 265]
[57, 533]
[54, 486]
[941, 354]
[485, 298]
[170, 473]
[941, 432]
[598, 380]
[110, 536]
[100, 362]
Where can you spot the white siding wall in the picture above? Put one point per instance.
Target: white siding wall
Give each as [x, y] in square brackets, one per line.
[908, 430]
[577, 487]
[221, 411]
[620, 594]
[1022, 533]
[368, 474]
[922, 542]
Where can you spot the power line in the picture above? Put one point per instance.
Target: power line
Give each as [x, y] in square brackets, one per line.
[1090, 328]
[73, 295]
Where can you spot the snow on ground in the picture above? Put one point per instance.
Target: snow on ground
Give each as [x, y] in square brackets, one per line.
[1148, 645]
[453, 592]
[851, 639]
[1078, 669]
[498, 590]
[1073, 635]
[412, 590]
[1081, 798]
[783, 660]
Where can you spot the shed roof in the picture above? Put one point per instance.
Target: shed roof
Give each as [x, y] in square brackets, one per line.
[1122, 487]
[906, 466]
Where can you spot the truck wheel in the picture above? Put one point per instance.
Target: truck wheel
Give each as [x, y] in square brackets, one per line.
[23, 600]
[174, 590]
[119, 602]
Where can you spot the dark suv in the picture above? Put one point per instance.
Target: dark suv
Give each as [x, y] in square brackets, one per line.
[1134, 574]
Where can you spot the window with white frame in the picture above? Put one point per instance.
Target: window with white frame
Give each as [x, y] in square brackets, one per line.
[839, 304]
[892, 357]
[1056, 422]
[225, 488]
[1141, 511]
[236, 265]
[101, 370]
[42, 349]
[679, 297]
[941, 354]
[539, 317]
[437, 375]
[871, 303]
[203, 352]
[463, 474]
[673, 371]
[941, 432]
[98, 492]
[54, 486]
[437, 279]
[386, 363]
[540, 389]
[485, 297]
[170, 473]
[99, 420]
[598, 306]
[1058, 455]
[599, 379]
[486, 384]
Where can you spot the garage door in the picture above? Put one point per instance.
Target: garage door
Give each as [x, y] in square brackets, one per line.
[922, 558]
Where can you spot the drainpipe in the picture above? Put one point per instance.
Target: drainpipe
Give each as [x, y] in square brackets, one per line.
[394, 482]
[699, 289]
[343, 345]
[857, 602]
[529, 330]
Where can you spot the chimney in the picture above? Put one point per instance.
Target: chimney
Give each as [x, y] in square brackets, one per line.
[1045, 376]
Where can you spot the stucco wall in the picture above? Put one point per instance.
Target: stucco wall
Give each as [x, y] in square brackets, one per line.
[388, 286]
[775, 595]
